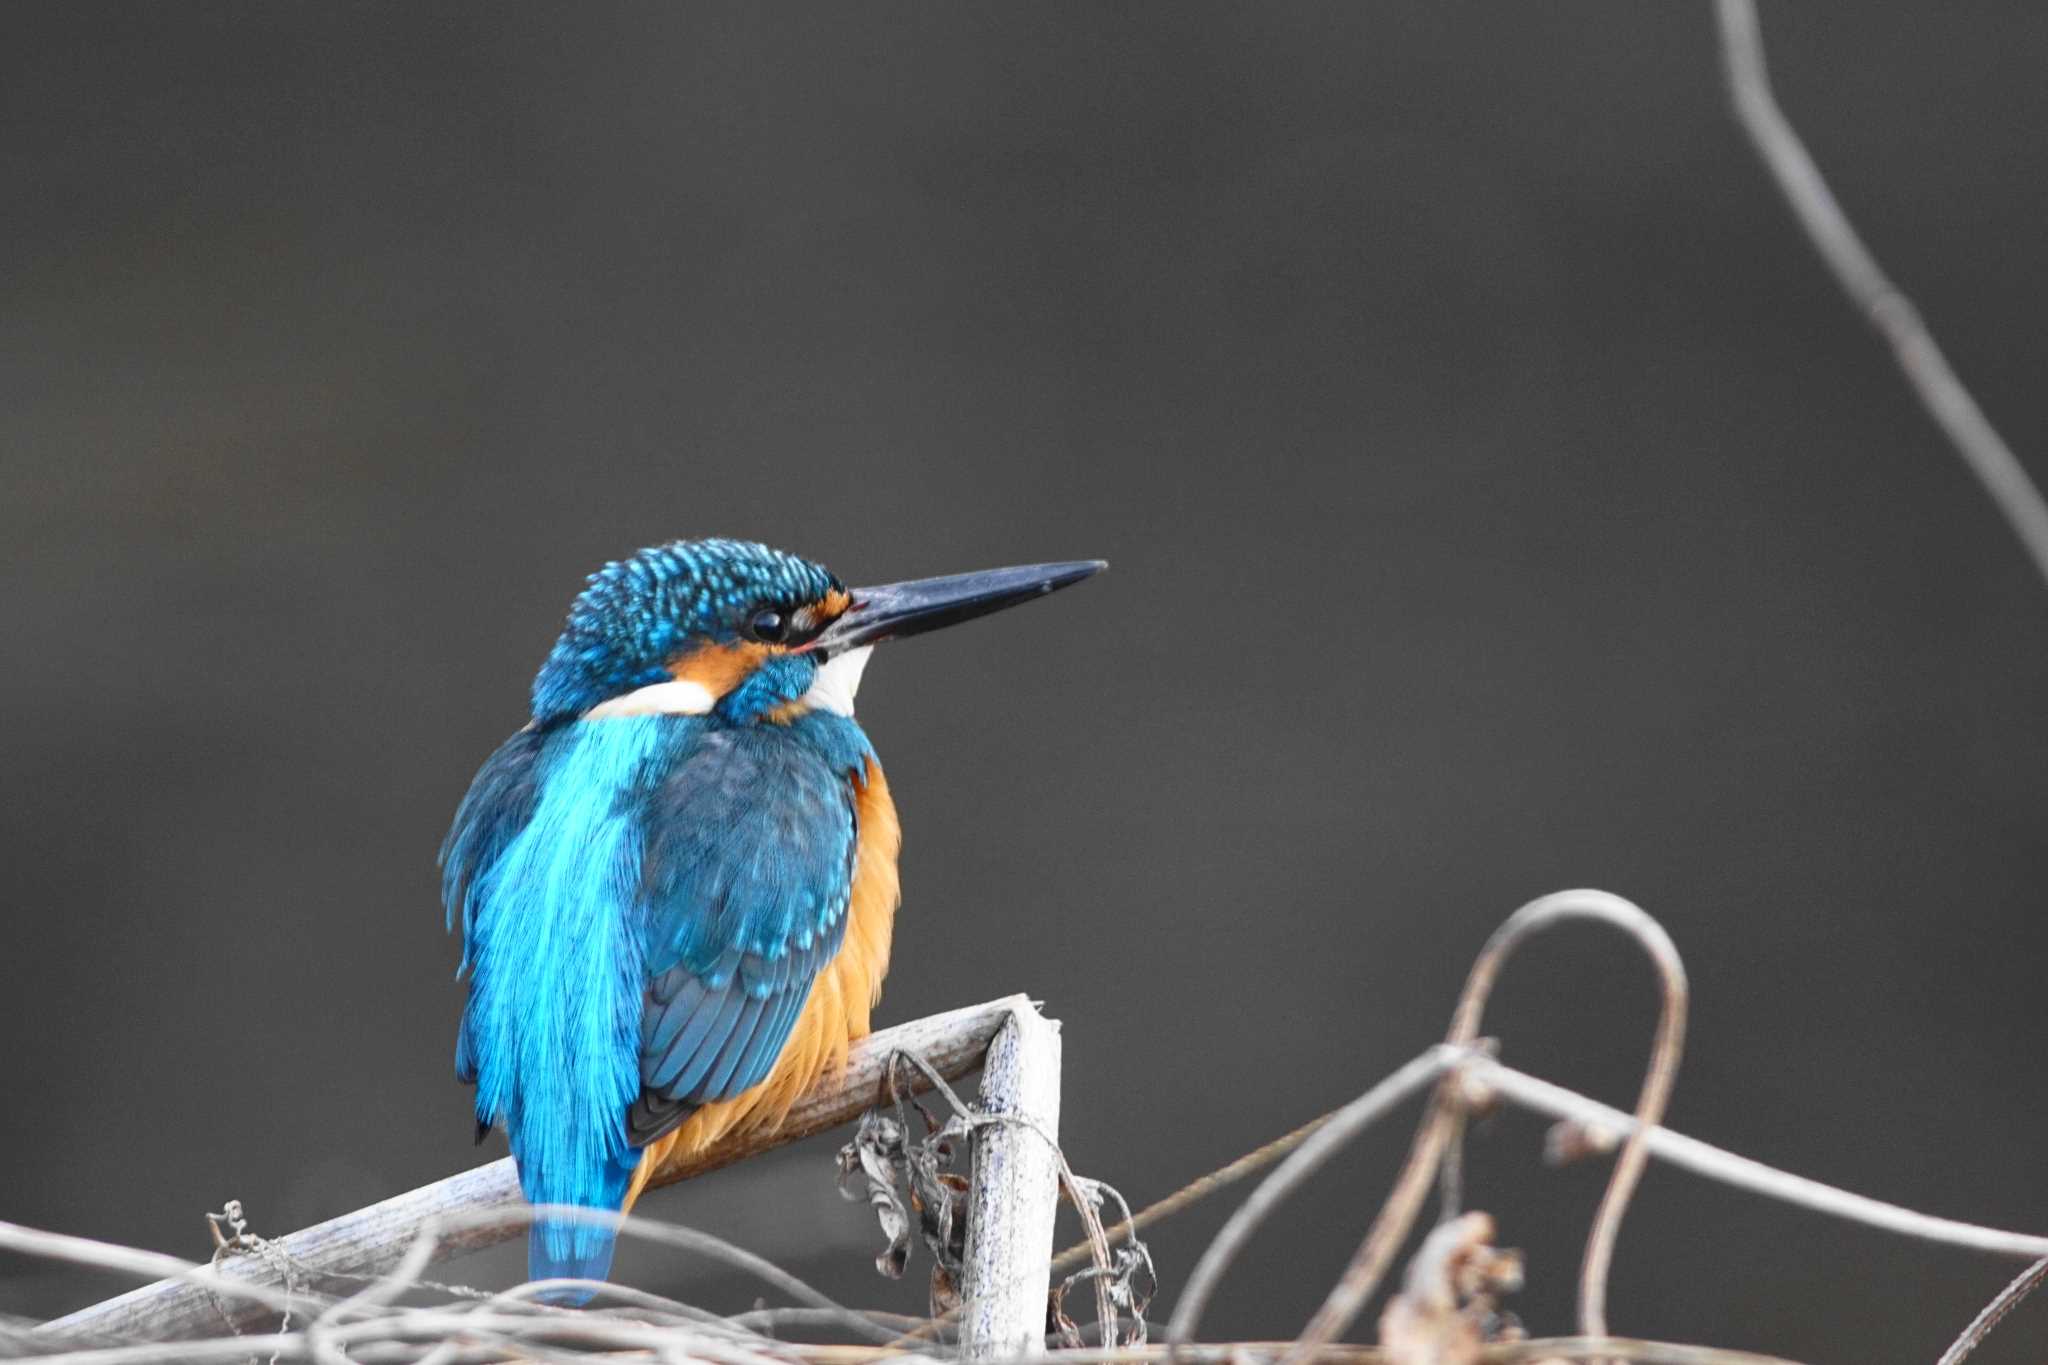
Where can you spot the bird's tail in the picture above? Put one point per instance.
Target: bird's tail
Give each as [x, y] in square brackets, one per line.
[558, 1249]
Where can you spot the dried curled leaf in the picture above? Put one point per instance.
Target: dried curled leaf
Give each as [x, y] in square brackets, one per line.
[869, 1168]
[945, 1296]
[1448, 1307]
[908, 1184]
[1571, 1140]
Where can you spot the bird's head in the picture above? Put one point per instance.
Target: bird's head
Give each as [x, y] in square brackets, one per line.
[733, 627]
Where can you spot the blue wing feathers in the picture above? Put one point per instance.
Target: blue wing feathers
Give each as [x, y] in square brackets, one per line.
[498, 805]
[673, 1000]
[645, 902]
[689, 1058]
[719, 1077]
[766, 1044]
[748, 873]
[749, 844]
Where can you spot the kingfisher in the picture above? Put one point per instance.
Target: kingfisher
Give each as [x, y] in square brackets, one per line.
[677, 883]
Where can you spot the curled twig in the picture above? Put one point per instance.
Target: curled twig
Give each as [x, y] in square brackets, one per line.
[1397, 1216]
[1662, 1075]
[1129, 1283]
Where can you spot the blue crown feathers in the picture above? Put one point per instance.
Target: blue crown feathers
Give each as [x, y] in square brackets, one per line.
[638, 613]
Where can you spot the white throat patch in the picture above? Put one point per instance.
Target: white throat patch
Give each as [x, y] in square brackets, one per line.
[832, 690]
[676, 698]
[838, 679]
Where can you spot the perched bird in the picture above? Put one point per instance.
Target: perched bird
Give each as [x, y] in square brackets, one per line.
[677, 883]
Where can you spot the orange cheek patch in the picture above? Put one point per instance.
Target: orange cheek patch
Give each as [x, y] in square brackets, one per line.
[718, 669]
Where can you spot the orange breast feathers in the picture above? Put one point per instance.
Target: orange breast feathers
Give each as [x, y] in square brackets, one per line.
[835, 1015]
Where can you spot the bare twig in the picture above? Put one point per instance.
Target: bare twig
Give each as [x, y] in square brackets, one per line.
[1347, 1123]
[1621, 1348]
[1938, 387]
[1716, 1164]
[1251, 1163]
[1994, 1312]
[1340, 1309]
[772, 1319]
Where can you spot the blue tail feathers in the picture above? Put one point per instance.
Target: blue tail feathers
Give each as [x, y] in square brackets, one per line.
[572, 1248]
[557, 1249]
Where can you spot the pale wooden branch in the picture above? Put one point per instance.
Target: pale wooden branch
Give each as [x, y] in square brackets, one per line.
[1014, 1198]
[372, 1240]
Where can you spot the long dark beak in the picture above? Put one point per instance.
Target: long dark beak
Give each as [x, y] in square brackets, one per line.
[895, 610]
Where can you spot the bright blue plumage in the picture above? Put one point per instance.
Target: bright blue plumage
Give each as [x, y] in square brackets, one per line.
[646, 899]
[556, 975]
[652, 874]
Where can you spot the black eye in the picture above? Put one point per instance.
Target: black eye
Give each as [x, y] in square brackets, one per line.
[769, 626]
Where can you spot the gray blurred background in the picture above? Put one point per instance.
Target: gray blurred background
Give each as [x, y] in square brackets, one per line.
[1500, 499]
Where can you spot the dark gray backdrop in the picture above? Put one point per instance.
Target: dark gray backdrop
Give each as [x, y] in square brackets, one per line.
[1500, 499]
